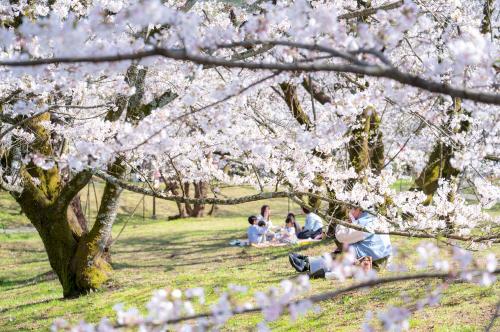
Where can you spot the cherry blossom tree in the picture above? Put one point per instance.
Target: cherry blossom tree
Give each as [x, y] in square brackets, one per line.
[317, 100]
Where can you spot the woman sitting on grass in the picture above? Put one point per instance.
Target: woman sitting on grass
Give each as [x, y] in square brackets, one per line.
[265, 218]
[313, 227]
[376, 246]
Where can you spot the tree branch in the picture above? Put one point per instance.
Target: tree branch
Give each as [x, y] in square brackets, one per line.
[292, 195]
[182, 199]
[370, 11]
[72, 188]
[182, 54]
[12, 188]
[316, 92]
[326, 295]
[492, 158]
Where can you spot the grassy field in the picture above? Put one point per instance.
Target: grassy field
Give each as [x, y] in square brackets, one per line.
[152, 254]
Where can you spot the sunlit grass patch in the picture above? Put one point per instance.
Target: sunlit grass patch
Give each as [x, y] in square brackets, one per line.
[153, 254]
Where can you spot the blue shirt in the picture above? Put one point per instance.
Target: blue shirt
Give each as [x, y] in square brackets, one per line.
[255, 233]
[313, 222]
[376, 246]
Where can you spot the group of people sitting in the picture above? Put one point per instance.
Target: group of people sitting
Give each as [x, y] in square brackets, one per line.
[371, 250]
[262, 230]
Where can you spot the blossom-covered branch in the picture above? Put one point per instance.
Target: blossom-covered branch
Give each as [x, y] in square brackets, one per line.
[184, 55]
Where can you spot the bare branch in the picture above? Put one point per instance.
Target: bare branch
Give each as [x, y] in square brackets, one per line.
[370, 11]
[71, 189]
[492, 158]
[182, 199]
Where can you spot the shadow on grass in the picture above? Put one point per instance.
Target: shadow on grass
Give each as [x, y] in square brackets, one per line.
[14, 284]
[24, 249]
[198, 248]
[24, 305]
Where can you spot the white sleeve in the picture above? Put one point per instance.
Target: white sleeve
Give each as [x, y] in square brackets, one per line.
[320, 222]
[349, 235]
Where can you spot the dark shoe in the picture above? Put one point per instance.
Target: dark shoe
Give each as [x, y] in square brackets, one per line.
[300, 265]
[301, 256]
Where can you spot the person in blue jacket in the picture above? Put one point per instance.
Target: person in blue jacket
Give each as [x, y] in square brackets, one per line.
[375, 246]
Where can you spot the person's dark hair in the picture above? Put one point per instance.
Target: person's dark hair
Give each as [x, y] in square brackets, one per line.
[261, 223]
[306, 210]
[263, 208]
[252, 220]
[291, 217]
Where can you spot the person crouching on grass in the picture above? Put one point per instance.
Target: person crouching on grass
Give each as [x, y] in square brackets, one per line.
[372, 250]
[376, 246]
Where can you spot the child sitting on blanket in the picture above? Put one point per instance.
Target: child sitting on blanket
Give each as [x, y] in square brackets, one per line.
[295, 223]
[288, 232]
[256, 234]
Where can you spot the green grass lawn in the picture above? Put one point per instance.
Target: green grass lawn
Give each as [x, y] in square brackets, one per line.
[152, 254]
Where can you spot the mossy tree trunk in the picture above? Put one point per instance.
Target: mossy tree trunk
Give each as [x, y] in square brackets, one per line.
[78, 256]
[487, 12]
[439, 163]
[366, 148]
[91, 257]
[46, 200]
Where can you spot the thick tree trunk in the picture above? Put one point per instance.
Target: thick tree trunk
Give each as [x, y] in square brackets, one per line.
[48, 205]
[78, 256]
[91, 259]
[200, 191]
[77, 210]
[61, 235]
[191, 210]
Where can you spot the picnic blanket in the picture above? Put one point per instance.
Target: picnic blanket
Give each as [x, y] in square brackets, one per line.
[244, 243]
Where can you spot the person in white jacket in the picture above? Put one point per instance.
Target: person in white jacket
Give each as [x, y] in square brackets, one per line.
[313, 226]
